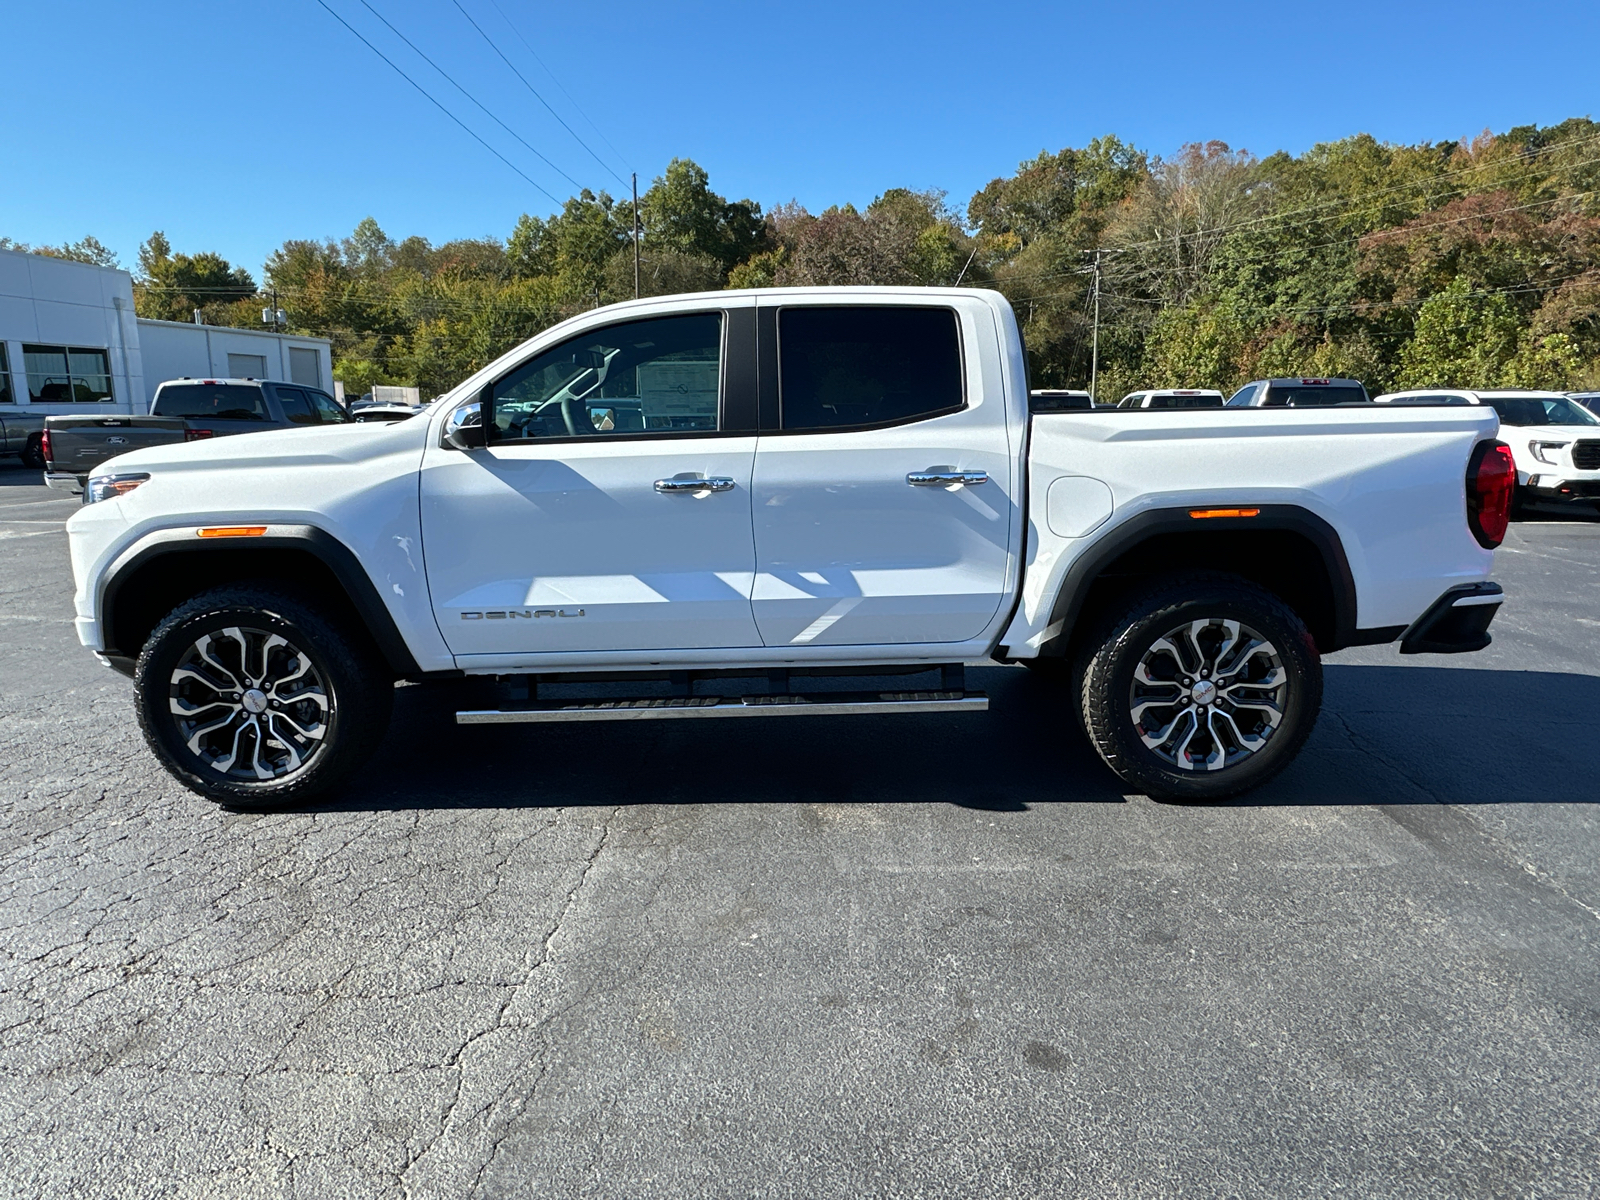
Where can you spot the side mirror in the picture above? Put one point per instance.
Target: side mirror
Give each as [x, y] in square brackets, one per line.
[464, 428]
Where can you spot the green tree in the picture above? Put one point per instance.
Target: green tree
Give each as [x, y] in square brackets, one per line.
[1463, 339]
[171, 286]
[680, 212]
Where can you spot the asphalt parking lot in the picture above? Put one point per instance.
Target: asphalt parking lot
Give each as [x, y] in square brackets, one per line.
[894, 957]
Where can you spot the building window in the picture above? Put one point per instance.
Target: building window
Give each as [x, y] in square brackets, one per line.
[247, 366]
[7, 396]
[67, 374]
[303, 367]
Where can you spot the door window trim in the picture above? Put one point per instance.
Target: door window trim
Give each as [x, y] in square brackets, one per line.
[732, 368]
[769, 357]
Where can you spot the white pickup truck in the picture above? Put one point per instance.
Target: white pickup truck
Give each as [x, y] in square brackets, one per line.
[732, 497]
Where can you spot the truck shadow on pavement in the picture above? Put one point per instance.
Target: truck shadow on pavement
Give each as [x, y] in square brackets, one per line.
[1388, 734]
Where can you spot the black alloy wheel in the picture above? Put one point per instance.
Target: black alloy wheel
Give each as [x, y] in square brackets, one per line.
[1203, 687]
[254, 697]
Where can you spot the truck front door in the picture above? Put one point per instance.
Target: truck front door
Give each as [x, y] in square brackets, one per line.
[611, 508]
[883, 491]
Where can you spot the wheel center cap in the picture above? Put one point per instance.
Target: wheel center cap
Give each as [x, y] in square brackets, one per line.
[1204, 692]
[255, 701]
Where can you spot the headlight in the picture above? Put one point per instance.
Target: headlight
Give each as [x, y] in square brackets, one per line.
[109, 487]
[1543, 450]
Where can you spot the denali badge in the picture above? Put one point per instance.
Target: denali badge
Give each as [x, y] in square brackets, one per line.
[519, 613]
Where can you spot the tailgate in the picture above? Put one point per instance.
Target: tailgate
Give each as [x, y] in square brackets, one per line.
[79, 444]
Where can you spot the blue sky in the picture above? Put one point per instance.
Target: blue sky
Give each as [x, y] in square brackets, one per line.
[233, 125]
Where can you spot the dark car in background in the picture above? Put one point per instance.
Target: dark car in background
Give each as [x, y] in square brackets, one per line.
[184, 410]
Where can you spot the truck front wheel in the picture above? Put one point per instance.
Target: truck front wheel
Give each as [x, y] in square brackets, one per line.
[256, 698]
[1204, 687]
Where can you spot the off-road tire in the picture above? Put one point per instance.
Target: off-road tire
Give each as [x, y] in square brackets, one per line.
[358, 687]
[1120, 644]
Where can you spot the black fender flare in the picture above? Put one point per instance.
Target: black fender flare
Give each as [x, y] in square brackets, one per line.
[340, 560]
[1083, 573]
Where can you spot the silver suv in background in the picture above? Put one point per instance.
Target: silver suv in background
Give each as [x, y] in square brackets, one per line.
[1299, 393]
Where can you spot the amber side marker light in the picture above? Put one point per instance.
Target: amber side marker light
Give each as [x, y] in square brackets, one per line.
[1200, 514]
[233, 531]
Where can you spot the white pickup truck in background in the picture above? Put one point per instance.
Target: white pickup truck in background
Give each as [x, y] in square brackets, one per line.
[731, 497]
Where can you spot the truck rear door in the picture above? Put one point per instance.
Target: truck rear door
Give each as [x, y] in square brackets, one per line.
[883, 489]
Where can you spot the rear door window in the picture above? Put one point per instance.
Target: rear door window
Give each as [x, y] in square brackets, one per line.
[854, 368]
[210, 402]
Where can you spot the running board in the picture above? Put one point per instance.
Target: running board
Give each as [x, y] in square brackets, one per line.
[837, 705]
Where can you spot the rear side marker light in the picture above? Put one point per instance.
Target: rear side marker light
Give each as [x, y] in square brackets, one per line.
[219, 531]
[1491, 481]
[1202, 514]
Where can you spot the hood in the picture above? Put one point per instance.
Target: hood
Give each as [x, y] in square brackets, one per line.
[278, 448]
[1548, 433]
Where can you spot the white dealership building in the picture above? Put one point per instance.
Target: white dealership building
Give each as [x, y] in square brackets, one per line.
[70, 343]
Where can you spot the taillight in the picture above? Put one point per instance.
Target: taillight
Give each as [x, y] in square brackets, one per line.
[44, 445]
[1491, 480]
[196, 435]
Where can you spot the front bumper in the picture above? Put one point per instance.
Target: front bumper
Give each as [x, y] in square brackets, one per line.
[1456, 623]
[1550, 488]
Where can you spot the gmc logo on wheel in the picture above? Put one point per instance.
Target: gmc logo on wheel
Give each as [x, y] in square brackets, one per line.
[513, 614]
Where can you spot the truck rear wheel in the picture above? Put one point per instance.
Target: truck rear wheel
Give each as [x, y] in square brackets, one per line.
[33, 453]
[255, 698]
[1204, 687]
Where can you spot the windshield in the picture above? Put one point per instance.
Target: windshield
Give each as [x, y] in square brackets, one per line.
[1314, 395]
[210, 402]
[1539, 410]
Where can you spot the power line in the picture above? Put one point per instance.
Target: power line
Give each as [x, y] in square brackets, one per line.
[1267, 251]
[535, 92]
[621, 157]
[1526, 170]
[1372, 305]
[429, 97]
[470, 96]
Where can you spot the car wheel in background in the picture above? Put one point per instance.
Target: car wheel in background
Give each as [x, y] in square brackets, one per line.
[33, 454]
[254, 697]
[1203, 687]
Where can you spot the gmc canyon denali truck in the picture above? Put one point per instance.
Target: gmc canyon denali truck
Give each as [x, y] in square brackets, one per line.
[729, 496]
[183, 410]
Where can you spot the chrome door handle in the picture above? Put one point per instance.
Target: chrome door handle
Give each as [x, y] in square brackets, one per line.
[668, 486]
[946, 478]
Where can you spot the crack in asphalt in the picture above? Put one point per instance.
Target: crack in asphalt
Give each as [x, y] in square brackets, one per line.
[544, 962]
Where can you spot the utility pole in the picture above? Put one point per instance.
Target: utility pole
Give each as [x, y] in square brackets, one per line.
[636, 235]
[1094, 353]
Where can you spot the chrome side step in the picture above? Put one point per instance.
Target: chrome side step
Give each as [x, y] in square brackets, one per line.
[832, 705]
